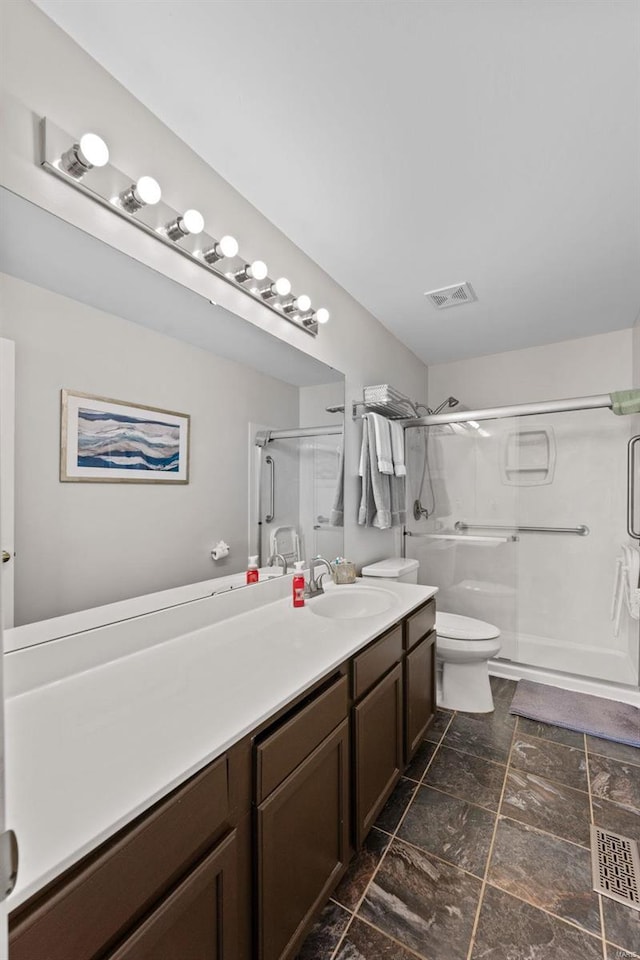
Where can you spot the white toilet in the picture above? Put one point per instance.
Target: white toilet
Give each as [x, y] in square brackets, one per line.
[463, 646]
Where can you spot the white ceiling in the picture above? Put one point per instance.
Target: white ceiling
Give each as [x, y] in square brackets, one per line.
[407, 146]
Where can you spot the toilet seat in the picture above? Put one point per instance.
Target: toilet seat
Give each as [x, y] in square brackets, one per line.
[455, 627]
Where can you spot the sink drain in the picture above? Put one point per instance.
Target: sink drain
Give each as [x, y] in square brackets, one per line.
[616, 866]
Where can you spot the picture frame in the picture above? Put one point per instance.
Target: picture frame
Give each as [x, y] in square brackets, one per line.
[103, 440]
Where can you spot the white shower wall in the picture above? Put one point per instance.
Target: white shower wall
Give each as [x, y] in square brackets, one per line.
[550, 594]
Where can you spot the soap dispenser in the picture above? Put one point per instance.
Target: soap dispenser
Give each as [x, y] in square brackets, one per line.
[252, 570]
[298, 584]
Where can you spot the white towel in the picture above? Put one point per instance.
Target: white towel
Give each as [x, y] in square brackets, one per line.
[397, 448]
[382, 442]
[375, 498]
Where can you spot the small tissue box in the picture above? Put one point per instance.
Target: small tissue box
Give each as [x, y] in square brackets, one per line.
[344, 571]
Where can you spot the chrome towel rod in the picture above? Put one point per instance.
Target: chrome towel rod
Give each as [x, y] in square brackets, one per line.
[581, 531]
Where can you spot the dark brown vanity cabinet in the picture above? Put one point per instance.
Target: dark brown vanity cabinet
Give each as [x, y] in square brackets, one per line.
[198, 920]
[419, 676]
[377, 728]
[419, 681]
[302, 819]
[236, 863]
[172, 884]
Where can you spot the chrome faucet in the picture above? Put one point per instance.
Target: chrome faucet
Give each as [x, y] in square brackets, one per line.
[277, 558]
[314, 586]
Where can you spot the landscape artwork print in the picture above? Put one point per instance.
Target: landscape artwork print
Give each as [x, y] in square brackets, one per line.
[110, 440]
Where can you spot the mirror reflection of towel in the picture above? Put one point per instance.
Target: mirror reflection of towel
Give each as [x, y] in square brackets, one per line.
[337, 510]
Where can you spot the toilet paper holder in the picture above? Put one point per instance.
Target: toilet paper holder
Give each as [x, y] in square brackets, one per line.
[220, 550]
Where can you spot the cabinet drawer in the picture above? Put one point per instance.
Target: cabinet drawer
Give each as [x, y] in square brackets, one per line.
[105, 895]
[198, 919]
[369, 666]
[419, 624]
[285, 749]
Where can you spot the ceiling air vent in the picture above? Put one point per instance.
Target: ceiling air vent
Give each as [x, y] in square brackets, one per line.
[451, 296]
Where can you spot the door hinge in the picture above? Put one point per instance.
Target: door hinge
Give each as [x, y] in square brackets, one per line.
[8, 863]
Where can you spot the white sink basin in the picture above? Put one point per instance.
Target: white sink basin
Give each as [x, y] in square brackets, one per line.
[352, 602]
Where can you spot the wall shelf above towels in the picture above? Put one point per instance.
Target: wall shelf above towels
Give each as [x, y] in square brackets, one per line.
[385, 400]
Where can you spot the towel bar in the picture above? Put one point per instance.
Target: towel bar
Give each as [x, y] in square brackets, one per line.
[580, 531]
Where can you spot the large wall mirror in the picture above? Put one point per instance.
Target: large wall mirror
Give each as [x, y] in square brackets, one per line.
[81, 316]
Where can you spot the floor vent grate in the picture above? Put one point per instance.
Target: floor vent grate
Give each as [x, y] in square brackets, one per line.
[616, 866]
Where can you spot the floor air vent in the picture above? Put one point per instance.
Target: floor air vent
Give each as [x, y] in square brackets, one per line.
[451, 296]
[616, 867]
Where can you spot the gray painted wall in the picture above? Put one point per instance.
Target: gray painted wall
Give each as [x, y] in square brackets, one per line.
[83, 544]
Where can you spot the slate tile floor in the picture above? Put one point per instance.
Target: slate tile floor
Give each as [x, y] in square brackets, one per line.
[482, 851]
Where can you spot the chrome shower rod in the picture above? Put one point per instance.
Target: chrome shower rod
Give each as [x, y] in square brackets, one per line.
[602, 400]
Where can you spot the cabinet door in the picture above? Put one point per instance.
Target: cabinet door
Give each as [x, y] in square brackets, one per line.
[198, 921]
[420, 692]
[378, 749]
[303, 844]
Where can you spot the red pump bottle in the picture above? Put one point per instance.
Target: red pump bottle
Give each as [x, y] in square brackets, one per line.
[298, 584]
[252, 570]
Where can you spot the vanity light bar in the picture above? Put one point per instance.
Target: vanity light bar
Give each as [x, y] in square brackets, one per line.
[84, 164]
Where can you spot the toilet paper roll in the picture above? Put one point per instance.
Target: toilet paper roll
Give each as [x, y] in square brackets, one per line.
[220, 550]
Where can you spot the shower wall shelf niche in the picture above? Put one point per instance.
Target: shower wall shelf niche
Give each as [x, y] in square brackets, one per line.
[113, 189]
[529, 457]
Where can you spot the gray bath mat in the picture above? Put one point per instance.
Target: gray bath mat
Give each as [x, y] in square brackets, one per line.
[578, 711]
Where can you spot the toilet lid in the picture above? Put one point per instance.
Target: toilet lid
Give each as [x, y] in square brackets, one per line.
[464, 628]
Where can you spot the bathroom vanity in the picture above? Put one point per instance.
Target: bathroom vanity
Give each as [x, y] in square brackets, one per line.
[279, 735]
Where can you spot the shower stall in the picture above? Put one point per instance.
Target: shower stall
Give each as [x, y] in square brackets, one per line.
[524, 517]
[298, 476]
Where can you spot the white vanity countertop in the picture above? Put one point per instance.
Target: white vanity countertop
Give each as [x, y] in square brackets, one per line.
[88, 752]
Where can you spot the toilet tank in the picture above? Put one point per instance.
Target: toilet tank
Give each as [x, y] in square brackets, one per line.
[400, 569]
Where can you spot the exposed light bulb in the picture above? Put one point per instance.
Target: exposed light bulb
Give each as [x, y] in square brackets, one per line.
[251, 271]
[90, 151]
[258, 270]
[225, 248]
[228, 246]
[301, 304]
[144, 192]
[93, 150]
[322, 315]
[191, 221]
[280, 288]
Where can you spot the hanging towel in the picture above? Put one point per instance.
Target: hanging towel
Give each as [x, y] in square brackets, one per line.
[381, 442]
[397, 448]
[367, 507]
[625, 401]
[337, 510]
[380, 482]
[375, 499]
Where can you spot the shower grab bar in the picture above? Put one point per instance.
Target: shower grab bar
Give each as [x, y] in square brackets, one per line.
[272, 499]
[462, 536]
[631, 484]
[580, 531]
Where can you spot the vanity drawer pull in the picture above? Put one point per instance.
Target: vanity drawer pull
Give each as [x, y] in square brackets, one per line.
[419, 624]
[292, 743]
[369, 666]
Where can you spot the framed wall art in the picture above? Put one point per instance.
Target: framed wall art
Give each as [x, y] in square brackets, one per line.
[103, 440]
